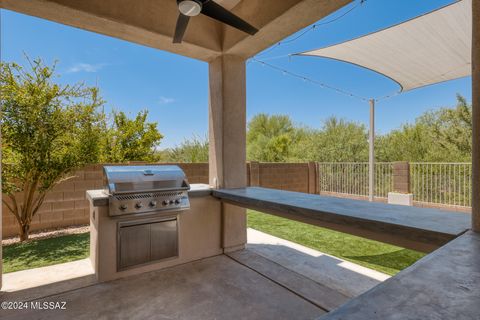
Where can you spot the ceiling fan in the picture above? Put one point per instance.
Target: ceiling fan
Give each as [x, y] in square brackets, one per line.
[192, 8]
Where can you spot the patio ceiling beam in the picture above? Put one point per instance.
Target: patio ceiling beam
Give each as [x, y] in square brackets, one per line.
[276, 20]
[152, 22]
[145, 22]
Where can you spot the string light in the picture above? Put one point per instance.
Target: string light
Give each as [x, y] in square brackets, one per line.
[311, 28]
[306, 79]
[388, 96]
[312, 81]
[323, 85]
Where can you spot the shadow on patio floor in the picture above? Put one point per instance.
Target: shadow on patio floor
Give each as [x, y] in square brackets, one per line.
[348, 278]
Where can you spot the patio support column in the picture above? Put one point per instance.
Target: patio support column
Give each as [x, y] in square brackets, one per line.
[227, 137]
[371, 153]
[1, 219]
[476, 115]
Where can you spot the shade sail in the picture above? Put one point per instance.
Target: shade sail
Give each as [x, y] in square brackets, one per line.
[429, 49]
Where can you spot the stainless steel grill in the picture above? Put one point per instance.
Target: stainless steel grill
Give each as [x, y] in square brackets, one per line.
[146, 189]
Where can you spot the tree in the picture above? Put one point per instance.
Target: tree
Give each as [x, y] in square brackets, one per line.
[269, 138]
[412, 142]
[193, 150]
[452, 128]
[48, 130]
[275, 139]
[131, 139]
[444, 135]
[337, 140]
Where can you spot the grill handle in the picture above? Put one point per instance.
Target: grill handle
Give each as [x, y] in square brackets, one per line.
[185, 187]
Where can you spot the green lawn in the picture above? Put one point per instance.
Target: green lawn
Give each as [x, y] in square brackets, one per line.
[371, 254]
[40, 253]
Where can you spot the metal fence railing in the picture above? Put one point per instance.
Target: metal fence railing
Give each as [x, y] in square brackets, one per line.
[442, 183]
[352, 178]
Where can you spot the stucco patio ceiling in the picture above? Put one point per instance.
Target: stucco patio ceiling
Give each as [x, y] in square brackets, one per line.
[429, 49]
[152, 22]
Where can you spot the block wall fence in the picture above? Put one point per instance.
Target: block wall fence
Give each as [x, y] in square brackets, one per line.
[66, 204]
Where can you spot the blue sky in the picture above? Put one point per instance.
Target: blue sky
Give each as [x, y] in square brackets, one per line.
[132, 77]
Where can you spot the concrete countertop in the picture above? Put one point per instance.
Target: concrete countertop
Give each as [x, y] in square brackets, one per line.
[421, 229]
[442, 285]
[100, 197]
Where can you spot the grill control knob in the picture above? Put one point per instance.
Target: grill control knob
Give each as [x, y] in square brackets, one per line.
[177, 201]
[123, 207]
[165, 202]
[152, 204]
[171, 201]
[138, 205]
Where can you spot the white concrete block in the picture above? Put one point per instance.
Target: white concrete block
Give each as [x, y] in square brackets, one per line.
[405, 199]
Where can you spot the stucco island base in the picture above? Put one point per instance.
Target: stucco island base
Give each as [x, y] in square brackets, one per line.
[199, 234]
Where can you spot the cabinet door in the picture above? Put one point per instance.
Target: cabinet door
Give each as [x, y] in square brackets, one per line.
[134, 245]
[164, 240]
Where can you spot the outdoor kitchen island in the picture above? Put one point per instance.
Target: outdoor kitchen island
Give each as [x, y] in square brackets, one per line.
[197, 235]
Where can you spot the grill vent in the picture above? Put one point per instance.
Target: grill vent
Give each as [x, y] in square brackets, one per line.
[137, 196]
[134, 196]
[167, 194]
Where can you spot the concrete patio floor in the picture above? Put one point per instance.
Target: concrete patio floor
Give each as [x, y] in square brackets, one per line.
[343, 276]
[36, 283]
[213, 288]
[271, 279]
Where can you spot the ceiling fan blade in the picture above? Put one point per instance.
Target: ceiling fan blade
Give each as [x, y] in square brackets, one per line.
[221, 14]
[182, 23]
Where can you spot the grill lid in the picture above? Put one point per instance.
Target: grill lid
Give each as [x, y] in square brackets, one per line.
[134, 179]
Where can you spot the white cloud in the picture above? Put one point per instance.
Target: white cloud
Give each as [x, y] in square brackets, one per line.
[166, 100]
[85, 67]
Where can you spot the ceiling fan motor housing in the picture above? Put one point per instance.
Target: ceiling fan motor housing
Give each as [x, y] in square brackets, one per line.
[190, 8]
[209, 8]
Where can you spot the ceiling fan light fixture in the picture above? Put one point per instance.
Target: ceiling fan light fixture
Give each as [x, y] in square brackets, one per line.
[190, 8]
